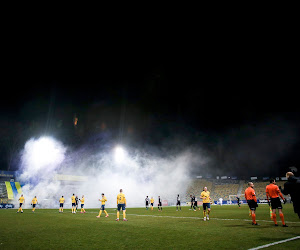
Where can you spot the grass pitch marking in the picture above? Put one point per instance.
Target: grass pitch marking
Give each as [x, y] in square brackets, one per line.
[198, 218]
[275, 243]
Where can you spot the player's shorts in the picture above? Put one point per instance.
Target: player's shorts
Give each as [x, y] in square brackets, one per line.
[61, 204]
[121, 206]
[178, 203]
[152, 204]
[21, 204]
[102, 207]
[73, 205]
[206, 205]
[276, 203]
[147, 203]
[196, 204]
[33, 205]
[82, 205]
[159, 204]
[252, 204]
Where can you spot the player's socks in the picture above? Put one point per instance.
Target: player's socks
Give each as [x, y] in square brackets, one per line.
[274, 218]
[124, 215]
[204, 213]
[118, 215]
[208, 212]
[100, 212]
[253, 218]
[106, 214]
[282, 218]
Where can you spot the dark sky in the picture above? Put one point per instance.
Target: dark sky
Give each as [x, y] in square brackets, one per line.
[160, 93]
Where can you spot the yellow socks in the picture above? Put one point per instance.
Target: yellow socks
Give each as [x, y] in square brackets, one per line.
[204, 213]
[105, 212]
[124, 215]
[118, 215]
[100, 213]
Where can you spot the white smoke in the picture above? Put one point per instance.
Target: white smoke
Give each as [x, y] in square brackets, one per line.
[139, 174]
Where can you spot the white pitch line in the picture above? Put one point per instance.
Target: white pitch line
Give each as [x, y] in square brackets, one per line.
[275, 243]
[198, 218]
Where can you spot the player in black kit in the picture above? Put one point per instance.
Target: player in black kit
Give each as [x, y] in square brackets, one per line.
[238, 201]
[147, 202]
[159, 204]
[178, 203]
[76, 202]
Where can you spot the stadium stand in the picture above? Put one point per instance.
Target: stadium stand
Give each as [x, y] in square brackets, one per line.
[224, 188]
[196, 187]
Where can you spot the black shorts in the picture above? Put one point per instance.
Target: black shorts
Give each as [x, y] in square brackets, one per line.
[61, 204]
[147, 203]
[178, 203]
[252, 204]
[196, 204]
[82, 205]
[276, 203]
[33, 205]
[21, 204]
[73, 205]
[206, 205]
[152, 204]
[159, 204]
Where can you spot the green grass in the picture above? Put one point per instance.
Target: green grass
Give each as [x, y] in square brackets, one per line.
[169, 229]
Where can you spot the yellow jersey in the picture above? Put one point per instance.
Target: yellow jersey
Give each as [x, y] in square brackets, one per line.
[82, 200]
[121, 198]
[151, 200]
[205, 196]
[22, 199]
[73, 199]
[103, 200]
[34, 201]
[61, 200]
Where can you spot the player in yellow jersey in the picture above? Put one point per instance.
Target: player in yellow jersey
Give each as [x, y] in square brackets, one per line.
[205, 195]
[61, 204]
[82, 204]
[121, 202]
[151, 203]
[73, 199]
[22, 201]
[103, 200]
[34, 202]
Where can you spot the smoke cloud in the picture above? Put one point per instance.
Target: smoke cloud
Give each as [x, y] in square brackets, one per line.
[47, 164]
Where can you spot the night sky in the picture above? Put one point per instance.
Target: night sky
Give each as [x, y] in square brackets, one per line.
[220, 98]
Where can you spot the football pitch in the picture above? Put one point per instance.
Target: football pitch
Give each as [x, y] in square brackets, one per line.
[229, 227]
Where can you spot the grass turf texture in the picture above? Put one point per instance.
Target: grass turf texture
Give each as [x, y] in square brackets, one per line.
[169, 229]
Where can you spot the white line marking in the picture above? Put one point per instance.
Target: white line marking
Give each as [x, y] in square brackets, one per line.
[198, 218]
[275, 243]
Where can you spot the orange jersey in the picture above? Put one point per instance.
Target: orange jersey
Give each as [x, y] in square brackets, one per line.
[273, 191]
[250, 194]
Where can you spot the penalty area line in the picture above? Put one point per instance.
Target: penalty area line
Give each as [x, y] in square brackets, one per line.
[275, 243]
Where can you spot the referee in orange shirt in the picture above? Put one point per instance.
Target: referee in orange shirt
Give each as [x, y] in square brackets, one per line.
[252, 201]
[273, 192]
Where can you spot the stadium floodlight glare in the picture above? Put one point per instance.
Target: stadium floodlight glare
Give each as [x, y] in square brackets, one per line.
[43, 152]
[119, 154]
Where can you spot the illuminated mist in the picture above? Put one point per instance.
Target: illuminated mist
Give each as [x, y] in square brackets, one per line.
[46, 163]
